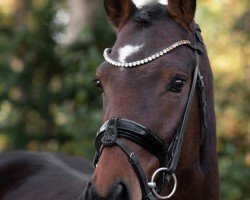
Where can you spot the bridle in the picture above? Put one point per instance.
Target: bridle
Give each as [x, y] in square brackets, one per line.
[112, 130]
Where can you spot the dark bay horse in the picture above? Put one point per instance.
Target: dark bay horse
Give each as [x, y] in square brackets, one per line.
[158, 107]
[158, 138]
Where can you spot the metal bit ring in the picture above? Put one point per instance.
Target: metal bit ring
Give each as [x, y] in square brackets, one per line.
[152, 184]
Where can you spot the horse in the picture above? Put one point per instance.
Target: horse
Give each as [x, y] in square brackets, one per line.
[158, 107]
[158, 138]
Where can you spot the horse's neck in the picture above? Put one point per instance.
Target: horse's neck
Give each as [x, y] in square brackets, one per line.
[200, 181]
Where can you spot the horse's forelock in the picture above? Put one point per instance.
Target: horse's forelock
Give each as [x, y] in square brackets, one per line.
[148, 13]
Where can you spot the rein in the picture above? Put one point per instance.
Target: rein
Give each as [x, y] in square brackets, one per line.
[114, 129]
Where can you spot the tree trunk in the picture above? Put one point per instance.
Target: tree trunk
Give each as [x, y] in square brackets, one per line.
[82, 14]
[20, 13]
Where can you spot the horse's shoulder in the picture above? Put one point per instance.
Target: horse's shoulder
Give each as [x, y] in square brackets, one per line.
[23, 161]
[39, 160]
[16, 165]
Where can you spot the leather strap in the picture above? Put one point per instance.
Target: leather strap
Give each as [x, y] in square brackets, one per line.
[175, 146]
[137, 169]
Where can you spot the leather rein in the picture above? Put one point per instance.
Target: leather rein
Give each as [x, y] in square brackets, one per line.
[114, 129]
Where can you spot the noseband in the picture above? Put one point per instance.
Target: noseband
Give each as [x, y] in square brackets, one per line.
[113, 130]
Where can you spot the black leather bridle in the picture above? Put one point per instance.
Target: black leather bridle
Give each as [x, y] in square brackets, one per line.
[168, 156]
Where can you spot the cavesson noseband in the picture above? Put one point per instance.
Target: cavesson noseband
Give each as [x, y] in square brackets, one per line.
[114, 129]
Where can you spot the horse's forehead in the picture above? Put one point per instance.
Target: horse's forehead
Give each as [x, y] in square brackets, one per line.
[139, 40]
[140, 45]
[126, 51]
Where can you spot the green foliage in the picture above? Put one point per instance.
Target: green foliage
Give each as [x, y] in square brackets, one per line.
[48, 100]
[234, 172]
[49, 103]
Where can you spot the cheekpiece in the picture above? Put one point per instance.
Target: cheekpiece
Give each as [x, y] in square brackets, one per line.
[145, 60]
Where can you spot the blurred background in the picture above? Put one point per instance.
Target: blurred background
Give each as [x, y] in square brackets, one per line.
[49, 51]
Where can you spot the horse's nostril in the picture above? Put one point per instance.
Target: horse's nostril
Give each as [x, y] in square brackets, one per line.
[89, 192]
[119, 192]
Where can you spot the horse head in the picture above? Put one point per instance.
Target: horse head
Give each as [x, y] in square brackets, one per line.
[154, 105]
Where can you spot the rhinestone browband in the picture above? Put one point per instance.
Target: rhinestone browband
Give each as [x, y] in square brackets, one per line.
[143, 61]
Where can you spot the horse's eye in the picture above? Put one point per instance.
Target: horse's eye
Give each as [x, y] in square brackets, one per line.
[98, 84]
[177, 85]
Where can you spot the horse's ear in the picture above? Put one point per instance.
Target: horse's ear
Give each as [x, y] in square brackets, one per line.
[183, 11]
[119, 11]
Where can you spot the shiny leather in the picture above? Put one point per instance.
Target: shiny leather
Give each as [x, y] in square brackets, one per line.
[139, 135]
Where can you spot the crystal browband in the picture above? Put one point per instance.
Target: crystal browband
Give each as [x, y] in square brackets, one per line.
[145, 60]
